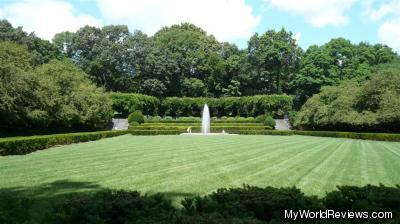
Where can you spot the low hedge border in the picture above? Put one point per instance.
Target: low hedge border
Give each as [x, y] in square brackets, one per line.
[198, 128]
[199, 124]
[261, 132]
[352, 135]
[156, 132]
[25, 145]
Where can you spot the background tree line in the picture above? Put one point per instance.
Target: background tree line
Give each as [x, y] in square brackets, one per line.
[183, 60]
[180, 60]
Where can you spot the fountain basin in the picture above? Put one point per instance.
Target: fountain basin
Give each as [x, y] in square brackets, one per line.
[206, 134]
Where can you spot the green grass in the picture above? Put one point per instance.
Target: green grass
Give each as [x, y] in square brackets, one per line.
[191, 165]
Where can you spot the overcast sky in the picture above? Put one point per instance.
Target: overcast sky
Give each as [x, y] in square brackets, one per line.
[311, 21]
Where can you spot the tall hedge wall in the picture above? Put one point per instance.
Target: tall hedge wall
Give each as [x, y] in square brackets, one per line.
[276, 105]
[126, 103]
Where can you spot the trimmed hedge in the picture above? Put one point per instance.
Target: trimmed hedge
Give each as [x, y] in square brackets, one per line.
[262, 132]
[155, 132]
[352, 135]
[199, 123]
[126, 103]
[25, 145]
[169, 119]
[198, 128]
[276, 105]
[247, 106]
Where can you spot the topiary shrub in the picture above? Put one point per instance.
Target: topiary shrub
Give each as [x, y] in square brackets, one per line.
[136, 116]
[260, 118]
[269, 121]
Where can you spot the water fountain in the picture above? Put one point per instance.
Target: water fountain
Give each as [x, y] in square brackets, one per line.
[205, 120]
[205, 124]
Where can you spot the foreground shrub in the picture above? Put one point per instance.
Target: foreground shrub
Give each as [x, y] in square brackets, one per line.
[136, 116]
[264, 204]
[235, 205]
[25, 145]
[368, 198]
[115, 207]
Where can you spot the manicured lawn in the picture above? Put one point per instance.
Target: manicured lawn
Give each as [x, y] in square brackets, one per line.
[188, 165]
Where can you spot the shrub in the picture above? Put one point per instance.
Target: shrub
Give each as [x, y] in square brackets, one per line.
[260, 118]
[235, 205]
[359, 198]
[115, 207]
[136, 116]
[269, 121]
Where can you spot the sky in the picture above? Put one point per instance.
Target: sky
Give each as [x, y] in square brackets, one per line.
[235, 21]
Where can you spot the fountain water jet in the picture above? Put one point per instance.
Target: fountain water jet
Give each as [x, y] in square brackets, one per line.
[205, 124]
[205, 120]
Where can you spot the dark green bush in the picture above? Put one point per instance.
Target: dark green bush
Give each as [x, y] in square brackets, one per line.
[115, 207]
[264, 204]
[136, 116]
[269, 121]
[25, 145]
[236, 205]
[368, 198]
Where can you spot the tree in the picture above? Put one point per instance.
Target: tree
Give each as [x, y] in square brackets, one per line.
[335, 61]
[153, 87]
[42, 50]
[64, 42]
[370, 105]
[275, 59]
[105, 55]
[193, 87]
[52, 95]
[15, 82]
[186, 51]
[67, 98]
